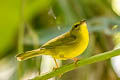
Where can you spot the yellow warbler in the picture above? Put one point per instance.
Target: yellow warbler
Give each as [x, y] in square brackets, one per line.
[66, 46]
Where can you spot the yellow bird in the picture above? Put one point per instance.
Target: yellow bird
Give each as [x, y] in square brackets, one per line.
[66, 46]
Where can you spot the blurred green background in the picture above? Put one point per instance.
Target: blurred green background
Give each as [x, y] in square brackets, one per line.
[27, 24]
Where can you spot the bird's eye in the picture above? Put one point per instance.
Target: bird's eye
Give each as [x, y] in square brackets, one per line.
[76, 25]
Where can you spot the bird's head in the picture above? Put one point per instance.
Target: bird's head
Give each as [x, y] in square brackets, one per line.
[79, 28]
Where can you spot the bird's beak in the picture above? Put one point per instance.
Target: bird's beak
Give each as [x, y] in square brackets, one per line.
[83, 21]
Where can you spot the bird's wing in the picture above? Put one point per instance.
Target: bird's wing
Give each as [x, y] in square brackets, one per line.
[62, 40]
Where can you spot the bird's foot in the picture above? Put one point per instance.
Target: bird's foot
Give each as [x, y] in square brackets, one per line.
[54, 69]
[76, 60]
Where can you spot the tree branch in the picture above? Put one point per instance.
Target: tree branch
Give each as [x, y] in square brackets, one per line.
[83, 62]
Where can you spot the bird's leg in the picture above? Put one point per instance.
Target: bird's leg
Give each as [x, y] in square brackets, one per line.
[76, 60]
[56, 66]
[55, 63]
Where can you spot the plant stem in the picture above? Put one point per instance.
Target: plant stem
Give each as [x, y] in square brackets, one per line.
[72, 66]
[36, 45]
[21, 39]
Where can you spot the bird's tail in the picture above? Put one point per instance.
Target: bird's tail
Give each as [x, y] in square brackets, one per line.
[28, 54]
